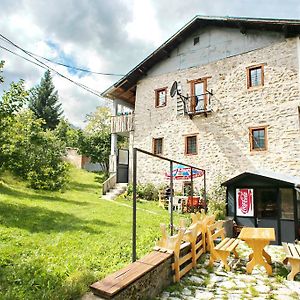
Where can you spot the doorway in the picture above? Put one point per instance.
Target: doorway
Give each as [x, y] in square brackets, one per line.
[122, 166]
[267, 209]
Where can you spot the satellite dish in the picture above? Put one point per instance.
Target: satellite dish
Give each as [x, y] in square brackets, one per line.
[174, 89]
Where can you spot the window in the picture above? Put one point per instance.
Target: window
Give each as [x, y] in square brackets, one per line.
[196, 40]
[161, 97]
[191, 145]
[199, 96]
[258, 139]
[158, 146]
[255, 76]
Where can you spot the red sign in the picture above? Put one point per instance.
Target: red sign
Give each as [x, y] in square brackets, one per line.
[244, 202]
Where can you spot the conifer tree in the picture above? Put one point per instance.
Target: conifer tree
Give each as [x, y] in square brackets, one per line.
[44, 102]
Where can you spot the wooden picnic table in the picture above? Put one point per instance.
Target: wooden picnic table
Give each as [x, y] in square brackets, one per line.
[257, 239]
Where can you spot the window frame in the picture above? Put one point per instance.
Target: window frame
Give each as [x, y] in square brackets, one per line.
[193, 96]
[251, 138]
[186, 144]
[154, 146]
[157, 91]
[248, 69]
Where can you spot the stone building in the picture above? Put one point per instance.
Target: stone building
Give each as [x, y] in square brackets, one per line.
[235, 113]
[241, 81]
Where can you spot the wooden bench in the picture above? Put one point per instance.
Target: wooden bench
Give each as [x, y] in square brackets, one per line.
[224, 248]
[113, 284]
[293, 258]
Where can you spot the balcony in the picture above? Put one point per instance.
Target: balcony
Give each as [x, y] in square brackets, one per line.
[122, 123]
[198, 105]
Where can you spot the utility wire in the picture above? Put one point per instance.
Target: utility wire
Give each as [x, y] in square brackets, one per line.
[75, 68]
[45, 66]
[68, 66]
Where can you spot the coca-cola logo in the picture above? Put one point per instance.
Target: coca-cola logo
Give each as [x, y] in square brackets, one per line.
[245, 200]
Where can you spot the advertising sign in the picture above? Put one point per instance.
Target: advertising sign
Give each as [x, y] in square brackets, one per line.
[244, 203]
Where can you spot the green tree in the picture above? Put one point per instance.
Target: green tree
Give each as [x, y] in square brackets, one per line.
[11, 103]
[44, 102]
[68, 134]
[95, 140]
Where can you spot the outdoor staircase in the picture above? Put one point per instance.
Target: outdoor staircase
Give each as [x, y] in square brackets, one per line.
[115, 191]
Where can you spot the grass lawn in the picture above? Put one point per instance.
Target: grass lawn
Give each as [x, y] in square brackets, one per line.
[53, 245]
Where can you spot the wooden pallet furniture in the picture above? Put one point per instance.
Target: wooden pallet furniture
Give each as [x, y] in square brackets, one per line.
[114, 284]
[222, 250]
[205, 221]
[257, 239]
[292, 252]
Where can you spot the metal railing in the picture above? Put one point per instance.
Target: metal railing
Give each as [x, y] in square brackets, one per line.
[134, 186]
[123, 123]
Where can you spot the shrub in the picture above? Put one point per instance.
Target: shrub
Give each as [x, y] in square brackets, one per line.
[146, 191]
[216, 200]
[35, 154]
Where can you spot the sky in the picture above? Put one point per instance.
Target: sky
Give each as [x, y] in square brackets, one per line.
[105, 36]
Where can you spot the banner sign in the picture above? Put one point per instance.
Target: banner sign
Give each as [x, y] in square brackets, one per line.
[244, 203]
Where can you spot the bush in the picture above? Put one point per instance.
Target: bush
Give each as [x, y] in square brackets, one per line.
[35, 154]
[216, 200]
[147, 191]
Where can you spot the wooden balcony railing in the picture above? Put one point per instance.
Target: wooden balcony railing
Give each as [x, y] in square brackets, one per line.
[123, 123]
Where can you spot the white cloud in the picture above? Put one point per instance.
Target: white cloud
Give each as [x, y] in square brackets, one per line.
[105, 36]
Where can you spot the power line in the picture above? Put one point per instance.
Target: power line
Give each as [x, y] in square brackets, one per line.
[68, 66]
[45, 66]
[75, 68]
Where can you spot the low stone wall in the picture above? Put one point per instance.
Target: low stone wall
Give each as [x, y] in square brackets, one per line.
[151, 284]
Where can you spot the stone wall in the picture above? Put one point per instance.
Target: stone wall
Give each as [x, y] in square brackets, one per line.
[223, 136]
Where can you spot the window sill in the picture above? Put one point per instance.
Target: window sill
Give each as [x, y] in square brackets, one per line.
[255, 151]
[160, 106]
[190, 154]
[255, 88]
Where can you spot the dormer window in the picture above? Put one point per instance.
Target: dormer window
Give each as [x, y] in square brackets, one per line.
[255, 76]
[161, 97]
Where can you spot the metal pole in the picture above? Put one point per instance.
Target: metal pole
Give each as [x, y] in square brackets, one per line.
[192, 189]
[171, 196]
[134, 205]
[204, 183]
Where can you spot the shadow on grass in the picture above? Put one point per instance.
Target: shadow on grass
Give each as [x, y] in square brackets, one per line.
[37, 219]
[18, 195]
[83, 187]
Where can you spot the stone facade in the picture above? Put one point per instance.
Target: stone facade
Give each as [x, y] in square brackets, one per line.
[223, 136]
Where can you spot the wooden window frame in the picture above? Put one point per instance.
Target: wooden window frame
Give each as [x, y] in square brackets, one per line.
[154, 145]
[157, 91]
[186, 144]
[251, 129]
[193, 98]
[248, 70]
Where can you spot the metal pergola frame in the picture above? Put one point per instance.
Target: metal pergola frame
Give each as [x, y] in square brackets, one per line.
[134, 182]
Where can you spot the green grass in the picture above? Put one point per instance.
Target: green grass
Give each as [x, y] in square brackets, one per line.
[54, 245]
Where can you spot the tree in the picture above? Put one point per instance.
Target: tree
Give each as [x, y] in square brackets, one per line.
[68, 134]
[95, 141]
[44, 102]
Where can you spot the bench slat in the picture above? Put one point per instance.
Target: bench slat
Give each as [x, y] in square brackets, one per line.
[298, 249]
[222, 243]
[233, 245]
[293, 251]
[287, 250]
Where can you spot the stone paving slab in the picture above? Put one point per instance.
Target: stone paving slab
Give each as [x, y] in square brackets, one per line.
[215, 283]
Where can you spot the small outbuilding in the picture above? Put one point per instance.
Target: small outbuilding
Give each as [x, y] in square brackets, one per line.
[265, 199]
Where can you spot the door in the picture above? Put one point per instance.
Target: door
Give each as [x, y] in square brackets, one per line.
[122, 166]
[287, 215]
[266, 206]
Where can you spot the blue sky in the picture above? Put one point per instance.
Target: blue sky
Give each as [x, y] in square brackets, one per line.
[105, 36]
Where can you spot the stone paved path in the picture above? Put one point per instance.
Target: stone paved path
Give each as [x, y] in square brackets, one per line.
[215, 283]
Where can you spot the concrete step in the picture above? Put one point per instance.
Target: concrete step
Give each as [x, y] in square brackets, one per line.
[119, 189]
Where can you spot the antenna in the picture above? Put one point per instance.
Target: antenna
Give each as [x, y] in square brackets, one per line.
[174, 89]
